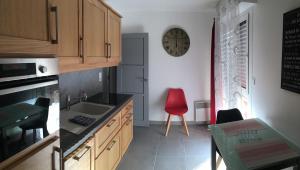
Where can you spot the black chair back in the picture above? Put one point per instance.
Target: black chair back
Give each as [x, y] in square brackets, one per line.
[230, 115]
[43, 102]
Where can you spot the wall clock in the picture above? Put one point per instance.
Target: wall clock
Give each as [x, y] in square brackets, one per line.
[176, 42]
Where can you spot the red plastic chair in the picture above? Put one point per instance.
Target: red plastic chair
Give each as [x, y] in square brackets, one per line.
[176, 105]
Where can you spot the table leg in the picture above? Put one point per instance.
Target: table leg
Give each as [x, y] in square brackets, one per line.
[4, 143]
[297, 167]
[213, 154]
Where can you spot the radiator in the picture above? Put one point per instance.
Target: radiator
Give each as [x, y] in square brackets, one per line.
[202, 111]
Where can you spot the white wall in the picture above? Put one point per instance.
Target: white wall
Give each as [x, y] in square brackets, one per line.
[190, 72]
[278, 107]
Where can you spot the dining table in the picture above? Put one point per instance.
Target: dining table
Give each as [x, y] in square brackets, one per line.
[252, 144]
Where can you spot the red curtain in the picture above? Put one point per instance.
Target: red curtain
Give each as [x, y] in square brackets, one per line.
[212, 79]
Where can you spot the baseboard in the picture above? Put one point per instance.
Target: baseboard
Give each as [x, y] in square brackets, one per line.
[179, 122]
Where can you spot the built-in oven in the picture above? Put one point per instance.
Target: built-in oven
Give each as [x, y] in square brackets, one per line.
[29, 102]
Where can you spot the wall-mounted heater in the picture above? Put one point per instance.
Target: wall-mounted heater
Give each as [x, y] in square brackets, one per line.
[202, 111]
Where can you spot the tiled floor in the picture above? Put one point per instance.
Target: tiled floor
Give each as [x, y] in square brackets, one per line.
[151, 150]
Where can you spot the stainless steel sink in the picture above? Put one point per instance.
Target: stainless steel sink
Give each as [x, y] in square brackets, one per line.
[91, 108]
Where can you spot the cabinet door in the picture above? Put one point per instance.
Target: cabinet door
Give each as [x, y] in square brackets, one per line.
[110, 156]
[28, 26]
[48, 158]
[94, 26]
[70, 26]
[126, 135]
[114, 37]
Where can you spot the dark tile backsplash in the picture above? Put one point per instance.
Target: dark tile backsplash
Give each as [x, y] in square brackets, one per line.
[73, 83]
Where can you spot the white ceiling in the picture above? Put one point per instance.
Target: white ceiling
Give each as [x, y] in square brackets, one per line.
[164, 5]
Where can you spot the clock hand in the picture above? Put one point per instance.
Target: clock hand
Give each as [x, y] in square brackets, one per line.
[176, 43]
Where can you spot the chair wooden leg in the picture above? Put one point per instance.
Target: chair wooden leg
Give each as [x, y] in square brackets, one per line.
[185, 126]
[168, 125]
[168, 119]
[219, 161]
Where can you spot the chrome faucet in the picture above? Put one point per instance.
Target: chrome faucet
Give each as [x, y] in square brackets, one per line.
[68, 102]
[83, 97]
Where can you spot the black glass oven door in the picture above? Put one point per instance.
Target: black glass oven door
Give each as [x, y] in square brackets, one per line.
[28, 113]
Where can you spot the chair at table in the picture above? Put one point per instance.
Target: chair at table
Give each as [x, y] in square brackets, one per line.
[224, 116]
[41, 122]
[176, 105]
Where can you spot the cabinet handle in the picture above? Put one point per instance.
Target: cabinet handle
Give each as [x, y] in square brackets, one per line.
[109, 50]
[106, 47]
[128, 121]
[55, 11]
[81, 46]
[78, 157]
[111, 123]
[129, 115]
[56, 149]
[111, 145]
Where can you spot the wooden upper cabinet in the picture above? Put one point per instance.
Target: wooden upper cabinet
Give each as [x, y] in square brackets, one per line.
[114, 36]
[84, 34]
[69, 21]
[94, 26]
[28, 26]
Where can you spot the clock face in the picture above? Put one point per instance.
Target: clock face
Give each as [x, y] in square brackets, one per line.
[176, 42]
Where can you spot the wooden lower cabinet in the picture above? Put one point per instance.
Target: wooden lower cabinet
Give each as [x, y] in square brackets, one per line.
[126, 135]
[104, 135]
[110, 156]
[107, 146]
[46, 156]
[82, 158]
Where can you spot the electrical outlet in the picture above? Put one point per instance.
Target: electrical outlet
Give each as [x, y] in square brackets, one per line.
[100, 76]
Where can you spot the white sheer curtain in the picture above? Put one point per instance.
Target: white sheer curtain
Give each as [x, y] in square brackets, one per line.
[228, 87]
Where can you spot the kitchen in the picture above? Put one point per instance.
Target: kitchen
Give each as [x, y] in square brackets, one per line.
[49, 120]
[87, 84]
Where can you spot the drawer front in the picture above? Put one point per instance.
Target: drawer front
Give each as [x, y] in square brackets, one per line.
[103, 135]
[111, 155]
[126, 117]
[81, 159]
[127, 109]
[114, 152]
[126, 135]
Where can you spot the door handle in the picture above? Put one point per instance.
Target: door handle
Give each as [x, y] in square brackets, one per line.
[142, 79]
